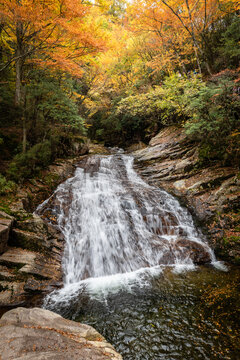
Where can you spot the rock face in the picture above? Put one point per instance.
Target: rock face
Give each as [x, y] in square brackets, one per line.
[31, 264]
[41, 334]
[31, 249]
[6, 223]
[211, 193]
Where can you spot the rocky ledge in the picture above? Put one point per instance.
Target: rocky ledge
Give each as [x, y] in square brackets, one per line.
[211, 193]
[30, 264]
[31, 248]
[41, 334]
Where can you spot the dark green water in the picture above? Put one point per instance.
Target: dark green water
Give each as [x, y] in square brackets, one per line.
[193, 315]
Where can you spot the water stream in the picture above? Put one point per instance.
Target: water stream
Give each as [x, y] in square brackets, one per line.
[128, 248]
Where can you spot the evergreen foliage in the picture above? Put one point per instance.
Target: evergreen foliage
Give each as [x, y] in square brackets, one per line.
[6, 186]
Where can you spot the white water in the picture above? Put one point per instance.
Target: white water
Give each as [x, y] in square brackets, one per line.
[119, 231]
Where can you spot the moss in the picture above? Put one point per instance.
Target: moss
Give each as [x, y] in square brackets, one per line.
[21, 215]
[233, 239]
[5, 208]
[51, 180]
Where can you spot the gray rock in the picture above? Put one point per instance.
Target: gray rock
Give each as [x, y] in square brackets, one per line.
[4, 234]
[210, 193]
[32, 263]
[6, 222]
[28, 240]
[15, 257]
[41, 334]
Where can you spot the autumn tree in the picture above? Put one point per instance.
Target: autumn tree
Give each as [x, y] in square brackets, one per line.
[178, 29]
[54, 34]
[56, 31]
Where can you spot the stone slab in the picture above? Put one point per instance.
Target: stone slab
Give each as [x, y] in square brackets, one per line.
[41, 334]
[17, 256]
[4, 234]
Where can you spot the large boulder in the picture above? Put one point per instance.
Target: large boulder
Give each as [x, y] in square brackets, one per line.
[41, 334]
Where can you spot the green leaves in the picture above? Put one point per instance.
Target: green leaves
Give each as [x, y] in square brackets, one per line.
[6, 186]
[215, 117]
[53, 98]
[26, 165]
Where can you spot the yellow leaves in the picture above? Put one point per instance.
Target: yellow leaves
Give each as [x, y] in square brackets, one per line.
[77, 95]
[59, 34]
[235, 133]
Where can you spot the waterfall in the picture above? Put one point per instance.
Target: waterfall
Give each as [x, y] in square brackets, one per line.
[118, 229]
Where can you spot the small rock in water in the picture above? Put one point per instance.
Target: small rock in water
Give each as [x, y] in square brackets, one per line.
[196, 251]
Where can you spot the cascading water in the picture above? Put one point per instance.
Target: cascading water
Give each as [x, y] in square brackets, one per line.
[119, 230]
[126, 246]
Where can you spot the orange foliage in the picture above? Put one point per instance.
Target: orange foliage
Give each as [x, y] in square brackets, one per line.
[54, 33]
[174, 28]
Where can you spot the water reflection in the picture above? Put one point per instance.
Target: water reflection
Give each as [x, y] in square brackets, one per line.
[192, 315]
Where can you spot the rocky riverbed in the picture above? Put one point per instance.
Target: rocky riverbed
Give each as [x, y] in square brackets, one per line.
[211, 193]
[31, 248]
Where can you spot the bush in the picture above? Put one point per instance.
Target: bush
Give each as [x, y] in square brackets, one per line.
[6, 186]
[26, 165]
[215, 119]
[139, 117]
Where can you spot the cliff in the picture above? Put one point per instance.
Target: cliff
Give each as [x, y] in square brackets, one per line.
[210, 192]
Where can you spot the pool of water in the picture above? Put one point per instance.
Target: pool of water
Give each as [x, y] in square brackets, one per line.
[191, 315]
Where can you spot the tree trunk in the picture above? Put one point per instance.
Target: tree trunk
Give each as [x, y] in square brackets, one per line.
[19, 96]
[24, 141]
[19, 64]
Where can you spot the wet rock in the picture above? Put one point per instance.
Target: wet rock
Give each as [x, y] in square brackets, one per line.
[211, 193]
[39, 245]
[196, 251]
[41, 334]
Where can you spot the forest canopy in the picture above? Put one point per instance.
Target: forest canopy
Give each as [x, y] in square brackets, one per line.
[117, 72]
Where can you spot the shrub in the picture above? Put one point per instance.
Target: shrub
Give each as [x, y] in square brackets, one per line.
[215, 118]
[6, 185]
[141, 116]
[28, 164]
